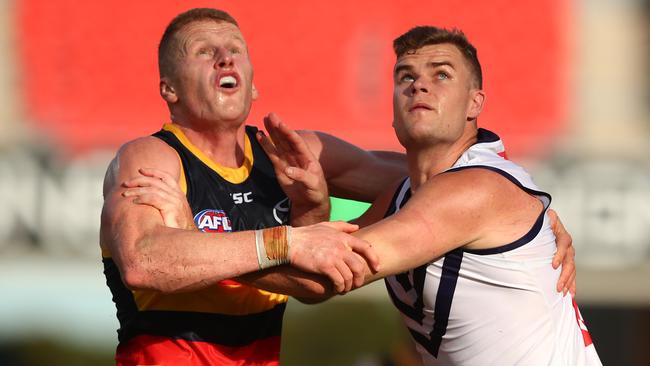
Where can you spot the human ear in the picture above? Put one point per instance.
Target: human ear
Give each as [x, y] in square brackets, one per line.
[477, 99]
[167, 91]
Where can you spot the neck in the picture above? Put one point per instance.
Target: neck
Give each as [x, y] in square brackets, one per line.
[222, 144]
[425, 162]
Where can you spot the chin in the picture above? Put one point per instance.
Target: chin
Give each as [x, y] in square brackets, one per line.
[234, 114]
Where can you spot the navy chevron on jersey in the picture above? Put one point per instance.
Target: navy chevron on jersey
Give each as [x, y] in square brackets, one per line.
[228, 323]
[495, 306]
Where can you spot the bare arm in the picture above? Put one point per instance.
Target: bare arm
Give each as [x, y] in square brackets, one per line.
[146, 251]
[461, 209]
[348, 168]
[341, 169]
[350, 171]
[153, 256]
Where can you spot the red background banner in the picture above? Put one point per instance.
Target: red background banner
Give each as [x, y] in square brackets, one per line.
[90, 79]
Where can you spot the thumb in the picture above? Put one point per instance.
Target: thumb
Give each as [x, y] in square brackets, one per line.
[343, 226]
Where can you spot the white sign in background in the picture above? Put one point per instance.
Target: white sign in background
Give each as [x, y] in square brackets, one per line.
[53, 208]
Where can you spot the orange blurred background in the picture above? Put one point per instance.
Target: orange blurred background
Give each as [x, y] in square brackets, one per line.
[90, 69]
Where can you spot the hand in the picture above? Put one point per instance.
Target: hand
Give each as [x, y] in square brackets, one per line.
[298, 171]
[328, 249]
[161, 191]
[565, 255]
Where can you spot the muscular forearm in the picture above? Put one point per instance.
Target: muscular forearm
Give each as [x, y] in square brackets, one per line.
[286, 280]
[174, 260]
[385, 168]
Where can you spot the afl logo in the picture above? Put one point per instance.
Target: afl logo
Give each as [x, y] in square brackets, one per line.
[211, 221]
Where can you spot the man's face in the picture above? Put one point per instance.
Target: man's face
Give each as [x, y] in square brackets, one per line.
[213, 78]
[432, 99]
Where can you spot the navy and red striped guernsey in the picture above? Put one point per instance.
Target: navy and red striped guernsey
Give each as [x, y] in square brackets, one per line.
[225, 324]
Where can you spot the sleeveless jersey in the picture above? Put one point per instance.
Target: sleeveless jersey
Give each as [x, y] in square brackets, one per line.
[225, 324]
[495, 306]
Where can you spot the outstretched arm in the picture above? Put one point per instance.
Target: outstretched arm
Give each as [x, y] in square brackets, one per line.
[347, 169]
[159, 190]
[153, 256]
[350, 171]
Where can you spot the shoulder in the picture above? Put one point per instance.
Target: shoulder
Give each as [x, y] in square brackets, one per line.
[143, 152]
[145, 148]
[465, 193]
[476, 182]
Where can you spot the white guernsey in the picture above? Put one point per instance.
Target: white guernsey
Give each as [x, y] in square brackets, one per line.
[494, 306]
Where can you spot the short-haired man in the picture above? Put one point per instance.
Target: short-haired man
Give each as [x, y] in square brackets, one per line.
[228, 323]
[176, 301]
[465, 242]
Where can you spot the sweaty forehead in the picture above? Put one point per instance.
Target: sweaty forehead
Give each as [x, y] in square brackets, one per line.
[432, 53]
[208, 29]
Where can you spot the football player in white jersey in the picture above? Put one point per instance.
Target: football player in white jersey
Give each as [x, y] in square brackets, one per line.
[466, 241]
[469, 227]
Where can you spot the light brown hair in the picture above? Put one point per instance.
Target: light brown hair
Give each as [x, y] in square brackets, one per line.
[421, 36]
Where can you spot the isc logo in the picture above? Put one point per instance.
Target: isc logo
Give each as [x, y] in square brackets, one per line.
[212, 221]
[239, 198]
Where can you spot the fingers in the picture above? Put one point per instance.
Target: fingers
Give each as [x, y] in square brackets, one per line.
[346, 274]
[297, 145]
[568, 274]
[565, 255]
[559, 254]
[149, 196]
[282, 142]
[143, 181]
[163, 176]
[357, 266]
[267, 145]
[311, 181]
[342, 226]
[279, 164]
[335, 276]
[562, 237]
[365, 249]
[290, 144]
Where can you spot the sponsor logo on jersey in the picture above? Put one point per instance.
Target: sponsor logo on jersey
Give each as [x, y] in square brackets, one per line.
[211, 221]
[281, 211]
[241, 197]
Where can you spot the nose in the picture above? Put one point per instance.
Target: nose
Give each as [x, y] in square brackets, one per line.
[419, 86]
[224, 58]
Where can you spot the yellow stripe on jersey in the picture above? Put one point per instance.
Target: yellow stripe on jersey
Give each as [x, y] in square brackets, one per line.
[183, 182]
[229, 299]
[105, 252]
[232, 175]
[220, 299]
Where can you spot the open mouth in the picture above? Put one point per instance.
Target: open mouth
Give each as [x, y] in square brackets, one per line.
[228, 82]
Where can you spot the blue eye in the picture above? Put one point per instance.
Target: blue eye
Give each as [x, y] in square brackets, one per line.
[407, 78]
[442, 76]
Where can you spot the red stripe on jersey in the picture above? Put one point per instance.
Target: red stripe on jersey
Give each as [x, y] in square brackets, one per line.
[581, 323]
[229, 283]
[155, 350]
